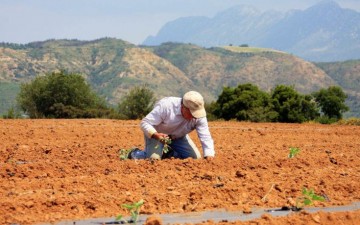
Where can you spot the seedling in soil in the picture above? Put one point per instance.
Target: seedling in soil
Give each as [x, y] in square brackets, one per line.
[134, 209]
[166, 142]
[308, 197]
[124, 153]
[293, 152]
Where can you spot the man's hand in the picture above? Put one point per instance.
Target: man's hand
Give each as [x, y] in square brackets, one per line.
[160, 137]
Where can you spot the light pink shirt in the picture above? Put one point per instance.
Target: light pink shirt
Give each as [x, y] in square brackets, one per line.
[166, 118]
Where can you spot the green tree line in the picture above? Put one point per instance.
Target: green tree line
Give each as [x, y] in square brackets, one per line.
[283, 104]
[67, 95]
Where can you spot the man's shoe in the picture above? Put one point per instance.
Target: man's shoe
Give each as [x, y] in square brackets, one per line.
[137, 154]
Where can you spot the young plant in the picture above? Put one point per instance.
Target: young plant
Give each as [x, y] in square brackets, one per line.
[293, 152]
[124, 153]
[308, 197]
[166, 142]
[134, 209]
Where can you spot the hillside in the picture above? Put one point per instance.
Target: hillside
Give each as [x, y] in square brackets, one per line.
[347, 75]
[324, 32]
[113, 66]
[211, 69]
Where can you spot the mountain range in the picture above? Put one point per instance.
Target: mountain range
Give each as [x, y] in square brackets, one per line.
[112, 67]
[324, 32]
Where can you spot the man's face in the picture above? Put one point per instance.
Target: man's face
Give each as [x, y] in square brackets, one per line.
[186, 113]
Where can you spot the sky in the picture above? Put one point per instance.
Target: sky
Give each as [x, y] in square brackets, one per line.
[24, 21]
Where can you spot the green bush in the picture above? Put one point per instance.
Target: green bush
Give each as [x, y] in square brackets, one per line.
[244, 102]
[331, 102]
[292, 106]
[283, 104]
[325, 120]
[60, 95]
[137, 103]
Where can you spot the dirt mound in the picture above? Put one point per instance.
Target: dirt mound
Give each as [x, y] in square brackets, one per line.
[69, 169]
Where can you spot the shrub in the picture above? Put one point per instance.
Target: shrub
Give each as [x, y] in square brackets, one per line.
[325, 120]
[137, 103]
[350, 121]
[292, 106]
[331, 102]
[245, 102]
[60, 95]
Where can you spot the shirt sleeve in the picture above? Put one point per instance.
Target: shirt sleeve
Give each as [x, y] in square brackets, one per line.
[204, 135]
[152, 119]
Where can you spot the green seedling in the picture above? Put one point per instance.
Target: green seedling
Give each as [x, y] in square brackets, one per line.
[293, 152]
[308, 197]
[124, 153]
[166, 141]
[134, 209]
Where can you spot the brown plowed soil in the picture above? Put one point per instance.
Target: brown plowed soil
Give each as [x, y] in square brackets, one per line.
[52, 170]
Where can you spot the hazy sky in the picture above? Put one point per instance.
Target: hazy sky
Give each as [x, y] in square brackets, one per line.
[24, 21]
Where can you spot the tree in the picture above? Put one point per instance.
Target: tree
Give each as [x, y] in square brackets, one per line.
[331, 101]
[291, 106]
[245, 102]
[137, 103]
[60, 95]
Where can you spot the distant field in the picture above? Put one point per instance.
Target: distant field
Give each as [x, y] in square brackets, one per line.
[249, 49]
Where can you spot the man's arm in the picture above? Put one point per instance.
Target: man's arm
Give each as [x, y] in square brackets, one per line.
[206, 140]
[152, 119]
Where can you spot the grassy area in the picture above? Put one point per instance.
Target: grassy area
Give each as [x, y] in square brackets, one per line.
[249, 49]
[350, 121]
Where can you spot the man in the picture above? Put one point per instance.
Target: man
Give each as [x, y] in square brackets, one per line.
[174, 118]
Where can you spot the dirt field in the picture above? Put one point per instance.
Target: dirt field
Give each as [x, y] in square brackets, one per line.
[52, 170]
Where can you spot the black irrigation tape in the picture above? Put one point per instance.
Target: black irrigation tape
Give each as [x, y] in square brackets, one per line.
[216, 216]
